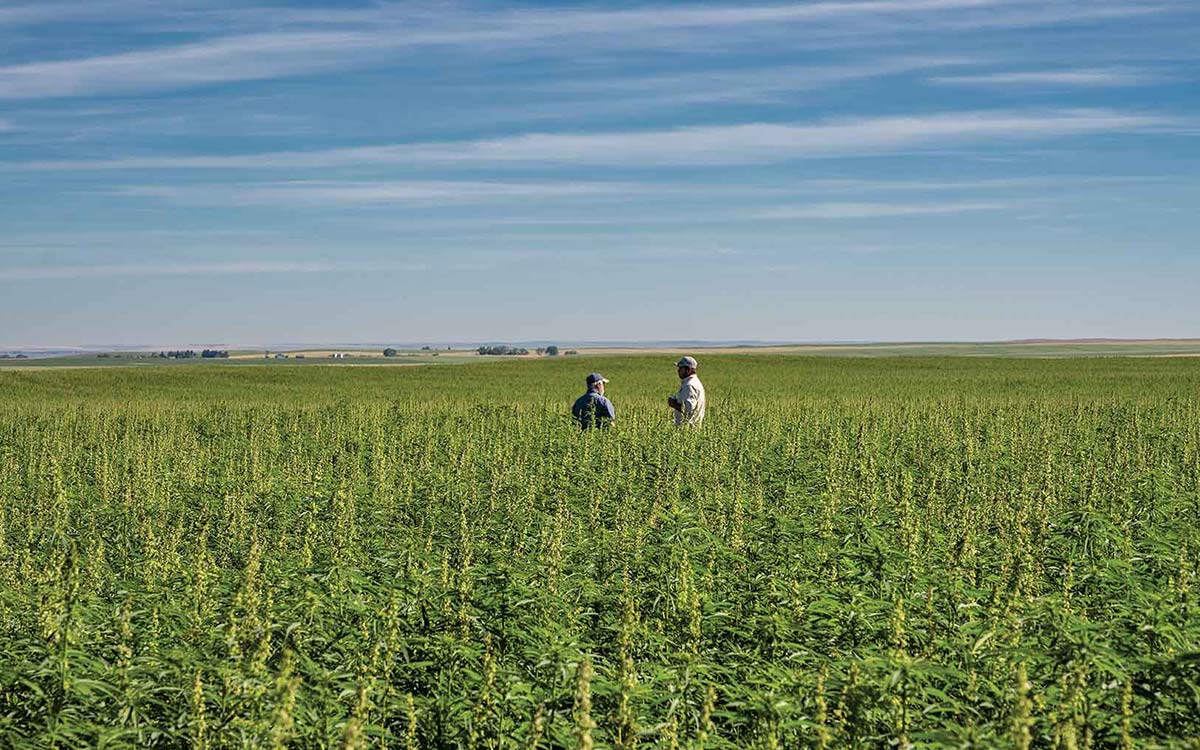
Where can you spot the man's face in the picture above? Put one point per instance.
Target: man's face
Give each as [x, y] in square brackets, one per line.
[599, 388]
[684, 372]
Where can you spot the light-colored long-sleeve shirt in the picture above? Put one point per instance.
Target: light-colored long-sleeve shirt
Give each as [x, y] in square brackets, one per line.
[691, 402]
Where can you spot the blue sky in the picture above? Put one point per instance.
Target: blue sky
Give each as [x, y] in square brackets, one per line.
[186, 171]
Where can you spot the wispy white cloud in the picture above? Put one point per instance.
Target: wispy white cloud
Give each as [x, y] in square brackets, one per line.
[466, 24]
[270, 54]
[1074, 77]
[769, 142]
[752, 143]
[352, 192]
[241, 58]
[740, 85]
[1019, 14]
[200, 15]
[873, 210]
[30, 273]
[95, 238]
[558, 99]
[335, 194]
[850, 185]
[539, 22]
[17, 13]
[571, 23]
[291, 41]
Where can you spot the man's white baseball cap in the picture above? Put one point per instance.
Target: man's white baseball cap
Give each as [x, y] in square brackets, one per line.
[686, 362]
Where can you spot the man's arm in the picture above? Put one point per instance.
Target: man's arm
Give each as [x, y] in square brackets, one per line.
[676, 401]
[693, 399]
[690, 400]
[608, 408]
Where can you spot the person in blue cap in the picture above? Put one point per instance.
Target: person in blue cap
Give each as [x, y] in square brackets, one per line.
[592, 409]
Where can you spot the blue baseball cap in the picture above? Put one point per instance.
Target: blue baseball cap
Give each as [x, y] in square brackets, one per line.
[596, 377]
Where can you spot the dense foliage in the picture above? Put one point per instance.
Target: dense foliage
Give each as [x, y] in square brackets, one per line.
[849, 554]
[503, 350]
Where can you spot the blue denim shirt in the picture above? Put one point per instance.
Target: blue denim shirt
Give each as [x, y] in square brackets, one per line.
[593, 410]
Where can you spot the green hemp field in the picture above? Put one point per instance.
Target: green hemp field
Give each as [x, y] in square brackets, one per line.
[851, 553]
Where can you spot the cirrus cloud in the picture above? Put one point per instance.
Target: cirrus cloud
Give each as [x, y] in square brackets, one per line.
[852, 210]
[30, 273]
[1071, 77]
[281, 42]
[750, 143]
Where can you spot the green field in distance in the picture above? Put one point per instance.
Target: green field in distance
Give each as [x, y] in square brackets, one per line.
[1023, 349]
[930, 552]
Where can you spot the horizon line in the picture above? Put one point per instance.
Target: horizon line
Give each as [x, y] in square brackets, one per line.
[647, 344]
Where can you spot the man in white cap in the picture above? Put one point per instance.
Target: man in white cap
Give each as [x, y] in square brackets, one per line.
[592, 409]
[688, 403]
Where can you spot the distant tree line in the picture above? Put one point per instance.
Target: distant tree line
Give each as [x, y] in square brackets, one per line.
[505, 351]
[191, 354]
[547, 351]
[14, 356]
